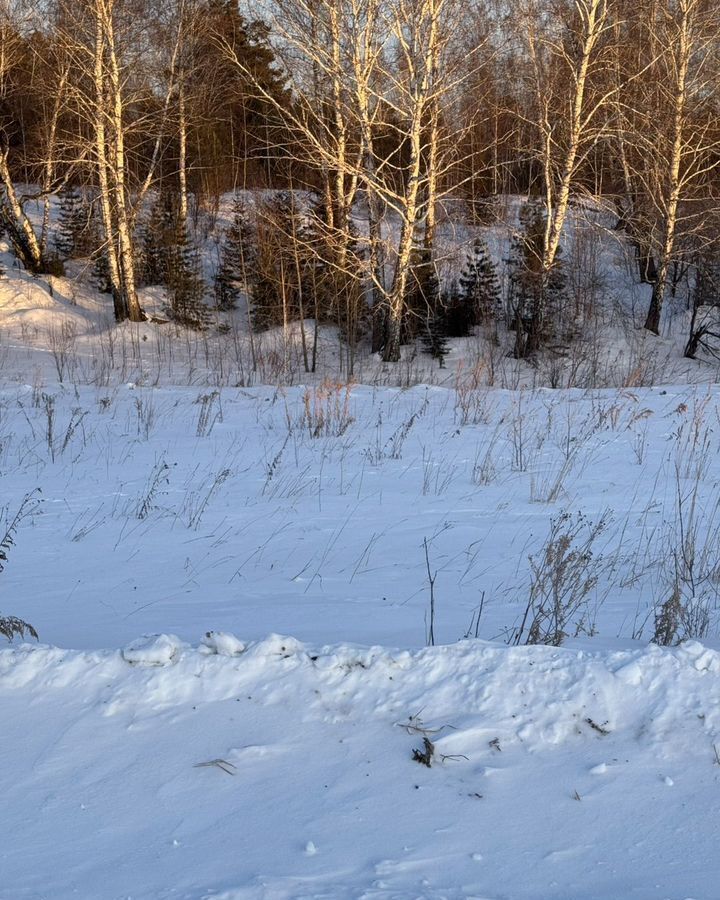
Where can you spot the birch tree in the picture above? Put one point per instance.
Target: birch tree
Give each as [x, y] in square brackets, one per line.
[12, 205]
[678, 143]
[566, 58]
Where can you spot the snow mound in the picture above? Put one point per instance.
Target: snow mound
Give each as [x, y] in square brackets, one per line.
[222, 643]
[153, 650]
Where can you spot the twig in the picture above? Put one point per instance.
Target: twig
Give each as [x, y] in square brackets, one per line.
[425, 756]
[431, 580]
[223, 764]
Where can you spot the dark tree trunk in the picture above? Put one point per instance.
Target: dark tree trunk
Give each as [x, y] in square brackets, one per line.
[392, 342]
[652, 322]
[379, 327]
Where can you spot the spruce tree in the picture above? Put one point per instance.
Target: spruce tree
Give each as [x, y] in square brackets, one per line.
[157, 238]
[479, 287]
[101, 272]
[322, 282]
[436, 329]
[185, 284]
[536, 298]
[73, 224]
[422, 297]
[237, 259]
[170, 259]
[434, 338]
[278, 266]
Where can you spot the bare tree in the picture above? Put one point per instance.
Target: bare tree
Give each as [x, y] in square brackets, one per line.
[13, 21]
[567, 58]
[679, 140]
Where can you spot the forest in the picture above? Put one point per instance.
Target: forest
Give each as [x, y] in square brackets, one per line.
[349, 132]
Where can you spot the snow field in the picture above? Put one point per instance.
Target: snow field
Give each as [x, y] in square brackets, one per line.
[304, 511]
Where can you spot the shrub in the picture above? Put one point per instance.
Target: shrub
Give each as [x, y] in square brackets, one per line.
[563, 577]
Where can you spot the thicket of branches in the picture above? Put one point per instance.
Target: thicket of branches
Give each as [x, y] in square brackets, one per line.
[359, 114]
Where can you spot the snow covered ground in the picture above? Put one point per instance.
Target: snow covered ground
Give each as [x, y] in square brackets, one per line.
[192, 766]
[231, 583]
[287, 772]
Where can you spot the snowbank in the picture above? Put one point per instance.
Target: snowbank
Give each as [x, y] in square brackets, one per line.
[275, 770]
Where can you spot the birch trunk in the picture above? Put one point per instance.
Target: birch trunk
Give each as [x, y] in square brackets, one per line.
[20, 229]
[49, 168]
[123, 216]
[182, 154]
[594, 16]
[419, 43]
[103, 168]
[682, 60]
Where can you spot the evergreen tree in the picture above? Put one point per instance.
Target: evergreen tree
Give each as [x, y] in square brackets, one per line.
[705, 306]
[456, 312]
[158, 236]
[479, 287]
[536, 299]
[277, 274]
[185, 284]
[237, 259]
[422, 299]
[437, 330]
[101, 272]
[77, 233]
[322, 283]
[237, 133]
[170, 259]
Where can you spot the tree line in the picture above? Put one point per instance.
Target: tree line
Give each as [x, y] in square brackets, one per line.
[365, 120]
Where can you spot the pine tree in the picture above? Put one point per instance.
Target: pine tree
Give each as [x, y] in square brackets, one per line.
[239, 133]
[479, 288]
[237, 259]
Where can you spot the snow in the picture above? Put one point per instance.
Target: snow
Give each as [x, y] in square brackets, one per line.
[287, 772]
[230, 585]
